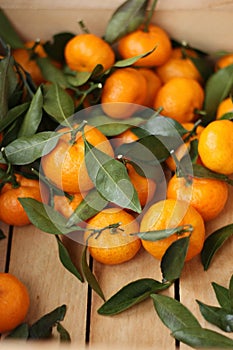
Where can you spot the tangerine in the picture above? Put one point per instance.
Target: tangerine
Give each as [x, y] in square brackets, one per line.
[225, 106]
[224, 61]
[14, 302]
[113, 245]
[170, 213]
[153, 84]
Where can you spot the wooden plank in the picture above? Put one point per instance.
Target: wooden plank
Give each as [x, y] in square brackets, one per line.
[138, 327]
[34, 259]
[196, 283]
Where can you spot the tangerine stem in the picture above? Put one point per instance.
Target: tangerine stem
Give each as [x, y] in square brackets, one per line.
[76, 130]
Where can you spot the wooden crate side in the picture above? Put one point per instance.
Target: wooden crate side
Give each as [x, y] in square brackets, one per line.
[4, 247]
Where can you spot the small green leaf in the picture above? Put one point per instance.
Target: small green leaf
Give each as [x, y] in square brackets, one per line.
[130, 295]
[213, 243]
[130, 61]
[58, 103]
[203, 172]
[173, 314]
[8, 32]
[125, 19]
[20, 332]
[46, 218]
[217, 87]
[66, 259]
[90, 206]
[110, 178]
[80, 78]
[64, 335]
[42, 328]
[172, 262]
[26, 150]
[222, 295]
[13, 114]
[202, 338]
[217, 316]
[156, 235]
[55, 47]
[51, 73]
[90, 277]
[33, 116]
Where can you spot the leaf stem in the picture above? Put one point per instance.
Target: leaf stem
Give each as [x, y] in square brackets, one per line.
[149, 17]
[76, 130]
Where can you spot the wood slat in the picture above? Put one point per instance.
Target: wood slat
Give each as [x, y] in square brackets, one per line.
[138, 327]
[3, 247]
[34, 259]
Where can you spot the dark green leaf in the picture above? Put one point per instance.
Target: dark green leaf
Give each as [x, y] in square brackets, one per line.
[2, 236]
[222, 295]
[217, 88]
[90, 206]
[164, 126]
[231, 293]
[90, 277]
[13, 114]
[203, 172]
[51, 73]
[64, 335]
[111, 178]
[213, 243]
[130, 61]
[130, 295]
[172, 262]
[58, 103]
[66, 260]
[217, 316]
[8, 32]
[204, 66]
[42, 328]
[33, 116]
[45, 217]
[228, 116]
[80, 78]
[26, 150]
[173, 314]
[55, 48]
[156, 235]
[125, 19]
[203, 338]
[20, 332]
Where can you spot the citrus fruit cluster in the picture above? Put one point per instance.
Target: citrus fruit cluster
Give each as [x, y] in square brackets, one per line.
[101, 99]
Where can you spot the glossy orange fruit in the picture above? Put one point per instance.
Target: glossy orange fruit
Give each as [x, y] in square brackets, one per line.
[208, 196]
[180, 99]
[179, 65]
[224, 61]
[113, 246]
[123, 91]
[85, 51]
[65, 164]
[225, 106]
[141, 41]
[215, 146]
[170, 213]
[14, 302]
[66, 206]
[11, 211]
[153, 84]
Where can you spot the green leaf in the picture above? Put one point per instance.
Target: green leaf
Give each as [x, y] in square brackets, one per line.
[222, 295]
[26, 150]
[8, 32]
[130, 61]
[125, 19]
[64, 335]
[111, 178]
[203, 66]
[217, 316]
[202, 338]
[51, 73]
[2, 236]
[33, 116]
[66, 259]
[46, 218]
[20, 332]
[231, 293]
[156, 235]
[58, 103]
[217, 88]
[13, 114]
[55, 47]
[8, 83]
[130, 295]
[80, 78]
[42, 328]
[172, 262]
[90, 277]
[213, 243]
[173, 314]
[203, 172]
[90, 206]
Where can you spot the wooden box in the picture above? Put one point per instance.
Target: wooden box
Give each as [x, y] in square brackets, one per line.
[32, 255]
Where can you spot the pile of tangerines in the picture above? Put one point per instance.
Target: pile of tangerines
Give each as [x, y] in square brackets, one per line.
[164, 79]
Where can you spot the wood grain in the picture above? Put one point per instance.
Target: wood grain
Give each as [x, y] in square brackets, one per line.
[3, 247]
